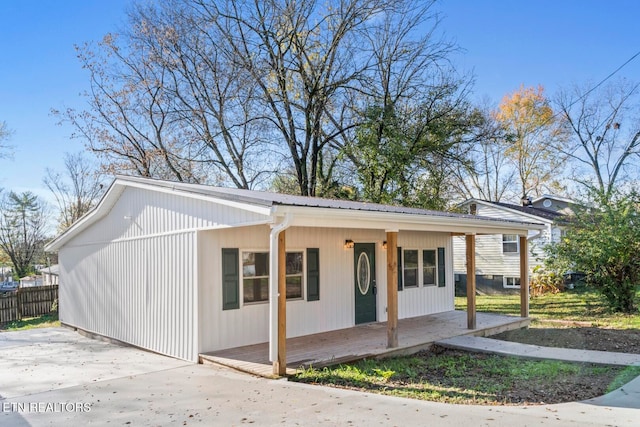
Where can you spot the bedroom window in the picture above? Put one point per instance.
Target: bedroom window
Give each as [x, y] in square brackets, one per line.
[255, 276]
[509, 243]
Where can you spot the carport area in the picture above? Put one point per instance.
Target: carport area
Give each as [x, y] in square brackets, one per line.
[40, 360]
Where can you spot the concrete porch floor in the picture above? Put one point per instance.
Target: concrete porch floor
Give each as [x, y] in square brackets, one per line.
[363, 341]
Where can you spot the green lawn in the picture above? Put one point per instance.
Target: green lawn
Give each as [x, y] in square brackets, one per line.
[44, 321]
[579, 305]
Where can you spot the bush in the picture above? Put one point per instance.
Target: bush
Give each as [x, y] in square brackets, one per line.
[543, 282]
[604, 243]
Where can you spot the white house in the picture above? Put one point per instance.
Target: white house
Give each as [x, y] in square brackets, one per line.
[497, 256]
[50, 275]
[183, 269]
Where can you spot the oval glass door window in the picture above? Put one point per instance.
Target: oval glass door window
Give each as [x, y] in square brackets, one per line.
[364, 268]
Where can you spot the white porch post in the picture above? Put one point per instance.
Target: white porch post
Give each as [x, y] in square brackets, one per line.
[524, 277]
[392, 289]
[280, 365]
[471, 280]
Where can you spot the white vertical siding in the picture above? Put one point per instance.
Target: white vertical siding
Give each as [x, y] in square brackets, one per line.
[139, 213]
[138, 291]
[335, 310]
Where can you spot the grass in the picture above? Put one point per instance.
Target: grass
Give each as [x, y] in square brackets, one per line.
[465, 378]
[458, 377]
[45, 321]
[578, 305]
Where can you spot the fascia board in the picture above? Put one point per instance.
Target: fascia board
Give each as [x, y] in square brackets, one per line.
[114, 192]
[263, 210]
[334, 218]
[101, 210]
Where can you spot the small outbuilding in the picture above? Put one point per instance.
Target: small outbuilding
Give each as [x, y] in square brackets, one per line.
[184, 269]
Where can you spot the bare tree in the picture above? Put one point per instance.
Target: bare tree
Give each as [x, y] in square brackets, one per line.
[605, 134]
[487, 173]
[129, 124]
[5, 134]
[412, 117]
[23, 222]
[233, 91]
[76, 189]
[303, 56]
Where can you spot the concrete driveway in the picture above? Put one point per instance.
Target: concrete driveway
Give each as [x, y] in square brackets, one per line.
[57, 377]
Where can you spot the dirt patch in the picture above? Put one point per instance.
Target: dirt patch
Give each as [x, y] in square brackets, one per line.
[498, 380]
[577, 337]
[585, 381]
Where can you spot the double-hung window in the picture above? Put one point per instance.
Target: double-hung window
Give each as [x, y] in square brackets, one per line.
[422, 267]
[410, 268]
[429, 272]
[509, 243]
[294, 275]
[255, 276]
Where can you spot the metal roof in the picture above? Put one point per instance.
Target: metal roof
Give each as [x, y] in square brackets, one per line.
[316, 211]
[270, 199]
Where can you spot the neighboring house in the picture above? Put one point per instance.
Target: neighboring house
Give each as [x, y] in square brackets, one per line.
[183, 269]
[30, 281]
[50, 275]
[497, 256]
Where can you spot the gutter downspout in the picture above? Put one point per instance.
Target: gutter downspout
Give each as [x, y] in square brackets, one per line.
[273, 282]
[536, 236]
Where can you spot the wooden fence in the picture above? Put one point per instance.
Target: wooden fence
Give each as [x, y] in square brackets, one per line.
[27, 302]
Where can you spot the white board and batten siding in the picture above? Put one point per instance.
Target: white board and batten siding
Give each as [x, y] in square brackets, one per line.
[335, 309]
[132, 275]
[490, 259]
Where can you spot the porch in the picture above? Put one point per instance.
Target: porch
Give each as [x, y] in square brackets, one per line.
[363, 341]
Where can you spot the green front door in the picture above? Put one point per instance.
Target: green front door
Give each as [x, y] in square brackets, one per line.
[365, 282]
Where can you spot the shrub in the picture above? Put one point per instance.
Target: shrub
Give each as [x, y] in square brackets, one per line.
[543, 281]
[604, 243]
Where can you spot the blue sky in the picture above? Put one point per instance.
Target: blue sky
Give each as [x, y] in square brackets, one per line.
[505, 44]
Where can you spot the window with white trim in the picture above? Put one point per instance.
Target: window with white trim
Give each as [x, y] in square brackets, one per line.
[511, 282]
[509, 243]
[410, 268]
[429, 267]
[423, 267]
[255, 276]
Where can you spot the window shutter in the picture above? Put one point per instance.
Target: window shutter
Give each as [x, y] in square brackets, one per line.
[400, 268]
[230, 279]
[313, 274]
[442, 274]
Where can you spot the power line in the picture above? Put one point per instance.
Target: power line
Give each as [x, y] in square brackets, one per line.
[605, 79]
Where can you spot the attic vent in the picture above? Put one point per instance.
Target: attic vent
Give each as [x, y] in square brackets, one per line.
[473, 209]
